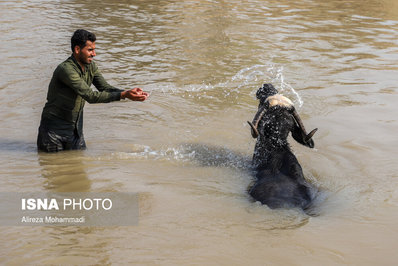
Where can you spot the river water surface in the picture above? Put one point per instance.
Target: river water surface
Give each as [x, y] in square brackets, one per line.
[187, 149]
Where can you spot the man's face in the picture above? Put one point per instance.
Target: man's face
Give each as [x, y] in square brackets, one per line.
[86, 54]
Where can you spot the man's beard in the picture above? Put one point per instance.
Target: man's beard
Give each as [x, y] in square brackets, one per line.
[86, 60]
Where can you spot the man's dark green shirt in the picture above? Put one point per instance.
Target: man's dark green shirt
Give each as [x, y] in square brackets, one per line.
[69, 89]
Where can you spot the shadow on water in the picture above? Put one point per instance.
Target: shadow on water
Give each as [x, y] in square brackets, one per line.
[17, 146]
[217, 156]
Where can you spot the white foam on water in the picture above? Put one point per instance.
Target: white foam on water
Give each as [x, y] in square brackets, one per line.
[145, 152]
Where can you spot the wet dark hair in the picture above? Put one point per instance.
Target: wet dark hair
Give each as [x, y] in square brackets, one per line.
[80, 37]
[265, 91]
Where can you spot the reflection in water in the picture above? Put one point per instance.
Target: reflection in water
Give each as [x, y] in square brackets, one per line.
[64, 172]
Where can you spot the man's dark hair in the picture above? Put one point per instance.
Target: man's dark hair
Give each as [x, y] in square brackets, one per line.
[80, 37]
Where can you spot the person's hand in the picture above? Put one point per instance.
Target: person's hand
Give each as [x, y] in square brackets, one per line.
[136, 94]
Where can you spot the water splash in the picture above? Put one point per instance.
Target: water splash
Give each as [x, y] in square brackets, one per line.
[259, 74]
[147, 153]
[245, 81]
[286, 87]
[191, 153]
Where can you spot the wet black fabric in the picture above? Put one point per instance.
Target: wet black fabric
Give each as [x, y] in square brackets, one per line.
[51, 141]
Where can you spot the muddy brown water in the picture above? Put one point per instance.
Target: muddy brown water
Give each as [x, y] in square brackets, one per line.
[186, 150]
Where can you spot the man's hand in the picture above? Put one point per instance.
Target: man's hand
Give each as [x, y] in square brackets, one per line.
[136, 94]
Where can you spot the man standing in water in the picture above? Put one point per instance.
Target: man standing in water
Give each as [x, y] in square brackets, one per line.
[61, 126]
